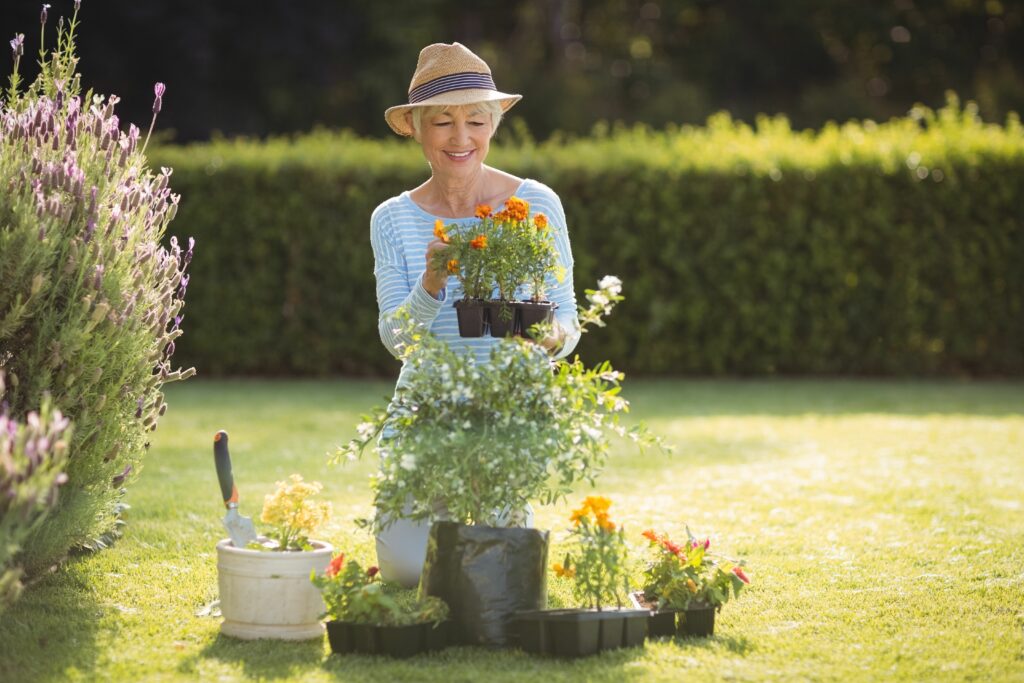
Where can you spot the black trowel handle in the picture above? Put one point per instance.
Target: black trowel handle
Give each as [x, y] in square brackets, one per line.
[223, 461]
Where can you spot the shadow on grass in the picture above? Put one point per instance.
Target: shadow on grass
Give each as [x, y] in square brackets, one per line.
[50, 633]
[260, 659]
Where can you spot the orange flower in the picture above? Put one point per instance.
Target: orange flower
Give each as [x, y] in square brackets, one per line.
[502, 216]
[604, 522]
[563, 572]
[740, 573]
[650, 535]
[578, 516]
[479, 242]
[335, 566]
[439, 231]
[691, 585]
[483, 211]
[517, 208]
[599, 504]
[453, 266]
[541, 221]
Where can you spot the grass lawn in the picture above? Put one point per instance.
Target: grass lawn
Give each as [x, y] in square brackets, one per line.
[882, 522]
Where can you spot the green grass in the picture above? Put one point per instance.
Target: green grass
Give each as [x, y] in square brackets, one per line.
[883, 524]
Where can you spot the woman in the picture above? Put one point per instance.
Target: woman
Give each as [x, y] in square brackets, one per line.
[453, 111]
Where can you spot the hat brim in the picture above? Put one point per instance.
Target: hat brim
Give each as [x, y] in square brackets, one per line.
[395, 116]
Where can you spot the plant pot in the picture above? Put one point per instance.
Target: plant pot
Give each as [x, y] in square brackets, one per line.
[529, 313]
[485, 574]
[439, 636]
[399, 642]
[501, 317]
[577, 632]
[267, 594]
[697, 621]
[660, 623]
[472, 314]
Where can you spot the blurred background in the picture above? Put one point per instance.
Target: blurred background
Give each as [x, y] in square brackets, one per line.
[238, 67]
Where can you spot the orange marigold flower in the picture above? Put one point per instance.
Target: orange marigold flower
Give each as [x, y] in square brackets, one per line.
[483, 211]
[563, 572]
[502, 216]
[578, 516]
[738, 571]
[517, 208]
[479, 242]
[439, 231]
[599, 504]
[604, 522]
[453, 266]
[335, 566]
[650, 535]
[541, 221]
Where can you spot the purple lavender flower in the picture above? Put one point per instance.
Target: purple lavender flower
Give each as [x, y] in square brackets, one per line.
[138, 410]
[184, 286]
[158, 102]
[45, 13]
[119, 479]
[18, 45]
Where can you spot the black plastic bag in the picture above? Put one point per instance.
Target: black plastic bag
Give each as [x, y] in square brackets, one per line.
[485, 574]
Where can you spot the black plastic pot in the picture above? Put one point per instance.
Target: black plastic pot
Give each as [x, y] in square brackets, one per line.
[501, 317]
[529, 313]
[579, 633]
[662, 623]
[485, 574]
[697, 621]
[472, 314]
[399, 642]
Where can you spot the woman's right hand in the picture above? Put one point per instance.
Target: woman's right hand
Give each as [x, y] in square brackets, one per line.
[435, 280]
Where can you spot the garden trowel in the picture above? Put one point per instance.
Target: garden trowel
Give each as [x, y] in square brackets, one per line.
[240, 528]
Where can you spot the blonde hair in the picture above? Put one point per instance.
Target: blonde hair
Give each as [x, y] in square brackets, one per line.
[491, 107]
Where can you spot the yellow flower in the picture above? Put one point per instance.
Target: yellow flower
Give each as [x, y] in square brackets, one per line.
[599, 504]
[604, 522]
[439, 231]
[289, 508]
[578, 516]
[453, 266]
[691, 585]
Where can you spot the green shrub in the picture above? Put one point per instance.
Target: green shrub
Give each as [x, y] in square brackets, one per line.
[90, 301]
[862, 248]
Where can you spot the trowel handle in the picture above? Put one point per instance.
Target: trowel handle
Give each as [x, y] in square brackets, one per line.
[222, 460]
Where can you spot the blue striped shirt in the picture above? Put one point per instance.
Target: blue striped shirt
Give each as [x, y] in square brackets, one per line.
[400, 231]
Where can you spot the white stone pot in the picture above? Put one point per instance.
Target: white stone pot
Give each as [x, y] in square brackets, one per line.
[267, 594]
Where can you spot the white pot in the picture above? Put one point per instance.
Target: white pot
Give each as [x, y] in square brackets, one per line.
[268, 594]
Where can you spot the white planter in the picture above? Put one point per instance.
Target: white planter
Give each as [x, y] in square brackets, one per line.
[269, 594]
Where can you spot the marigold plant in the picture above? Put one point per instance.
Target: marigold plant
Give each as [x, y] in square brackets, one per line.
[682, 575]
[292, 515]
[598, 558]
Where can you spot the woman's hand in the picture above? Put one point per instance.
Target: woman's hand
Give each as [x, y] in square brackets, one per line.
[435, 280]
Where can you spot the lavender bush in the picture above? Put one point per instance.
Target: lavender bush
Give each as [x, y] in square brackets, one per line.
[90, 303]
[32, 456]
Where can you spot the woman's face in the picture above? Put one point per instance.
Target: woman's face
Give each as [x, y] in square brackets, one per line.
[455, 142]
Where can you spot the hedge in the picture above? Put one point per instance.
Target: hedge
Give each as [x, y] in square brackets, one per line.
[866, 249]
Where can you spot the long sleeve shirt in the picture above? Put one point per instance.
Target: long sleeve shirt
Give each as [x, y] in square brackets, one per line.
[400, 231]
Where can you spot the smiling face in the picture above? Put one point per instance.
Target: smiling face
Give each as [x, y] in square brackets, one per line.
[456, 141]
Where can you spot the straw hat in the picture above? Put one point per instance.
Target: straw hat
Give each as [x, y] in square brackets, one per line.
[447, 75]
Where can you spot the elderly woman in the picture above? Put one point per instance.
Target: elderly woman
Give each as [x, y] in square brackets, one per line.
[453, 111]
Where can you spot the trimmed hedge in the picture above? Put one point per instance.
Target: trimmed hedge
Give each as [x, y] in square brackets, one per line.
[863, 248]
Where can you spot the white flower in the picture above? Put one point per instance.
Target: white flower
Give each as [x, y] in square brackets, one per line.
[366, 430]
[611, 283]
[408, 462]
[598, 298]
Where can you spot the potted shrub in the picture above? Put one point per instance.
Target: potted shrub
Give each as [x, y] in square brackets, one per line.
[597, 565]
[369, 617]
[264, 588]
[479, 442]
[684, 585]
[505, 251]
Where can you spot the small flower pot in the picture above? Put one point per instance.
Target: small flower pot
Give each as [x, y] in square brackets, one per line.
[697, 621]
[501, 316]
[439, 636]
[660, 623]
[529, 313]
[574, 633]
[339, 635]
[364, 638]
[611, 631]
[268, 594]
[634, 628]
[402, 642]
[472, 315]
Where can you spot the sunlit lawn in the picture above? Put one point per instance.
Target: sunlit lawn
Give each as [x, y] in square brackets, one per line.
[883, 524]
